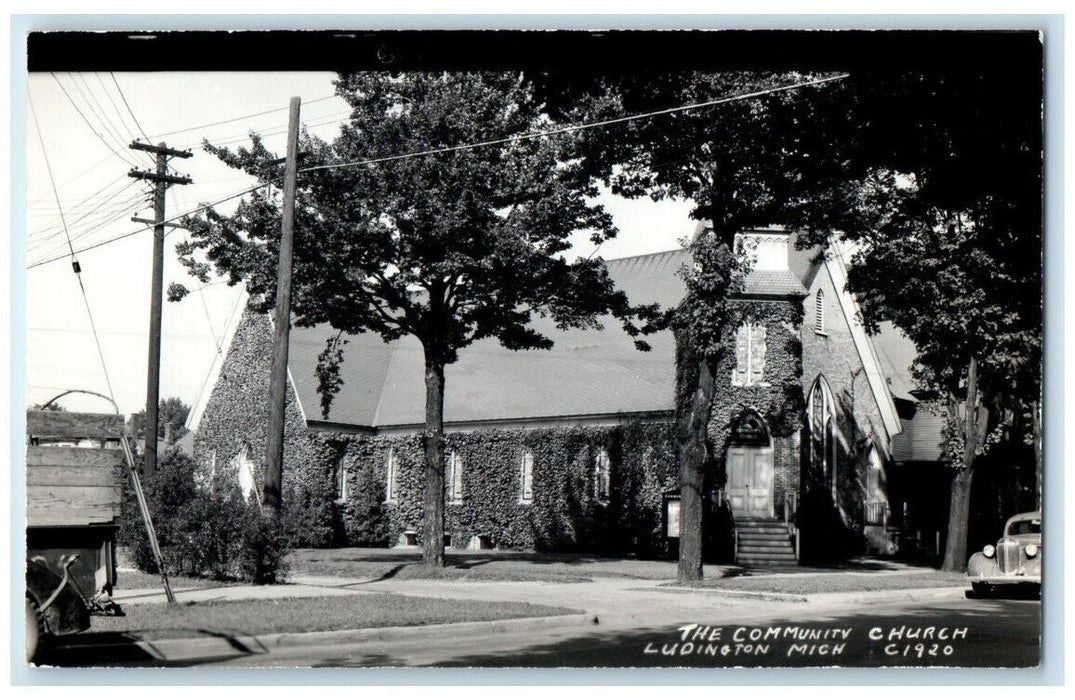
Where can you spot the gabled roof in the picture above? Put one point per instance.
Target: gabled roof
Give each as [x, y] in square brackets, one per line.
[587, 372]
[897, 353]
[875, 375]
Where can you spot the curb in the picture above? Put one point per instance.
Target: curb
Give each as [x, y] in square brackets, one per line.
[186, 648]
[908, 594]
[731, 593]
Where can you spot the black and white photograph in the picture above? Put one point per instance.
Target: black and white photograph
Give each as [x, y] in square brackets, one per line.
[687, 349]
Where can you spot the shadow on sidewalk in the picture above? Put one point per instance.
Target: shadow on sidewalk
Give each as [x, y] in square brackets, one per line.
[130, 650]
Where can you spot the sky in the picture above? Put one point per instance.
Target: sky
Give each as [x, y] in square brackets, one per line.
[86, 122]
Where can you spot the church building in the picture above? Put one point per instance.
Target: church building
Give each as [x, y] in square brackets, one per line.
[571, 449]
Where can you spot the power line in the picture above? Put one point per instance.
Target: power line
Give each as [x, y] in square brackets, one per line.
[74, 260]
[49, 232]
[146, 228]
[273, 131]
[95, 107]
[236, 119]
[576, 127]
[48, 169]
[448, 149]
[91, 227]
[87, 121]
[124, 98]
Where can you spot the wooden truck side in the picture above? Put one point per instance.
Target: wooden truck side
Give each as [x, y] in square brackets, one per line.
[74, 490]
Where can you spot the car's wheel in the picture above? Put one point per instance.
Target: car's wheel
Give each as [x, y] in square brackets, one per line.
[982, 589]
[34, 629]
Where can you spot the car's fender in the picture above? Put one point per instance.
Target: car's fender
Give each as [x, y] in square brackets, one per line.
[981, 565]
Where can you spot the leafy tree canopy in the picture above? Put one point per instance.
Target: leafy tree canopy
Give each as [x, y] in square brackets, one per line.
[171, 414]
[451, 246]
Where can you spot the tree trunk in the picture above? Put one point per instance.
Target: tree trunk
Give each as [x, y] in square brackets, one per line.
[433, 513]
[955, 551]
[694, 399]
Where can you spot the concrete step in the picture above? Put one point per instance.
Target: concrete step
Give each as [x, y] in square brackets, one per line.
[759, 556]
[761, 528]
[767, 536]
[766, 549]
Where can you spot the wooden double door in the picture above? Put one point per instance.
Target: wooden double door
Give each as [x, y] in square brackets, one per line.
[750, 481]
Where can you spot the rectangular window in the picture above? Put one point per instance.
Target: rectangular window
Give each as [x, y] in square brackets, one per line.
[453, 478]
[602, 477]
[341, 479]
[391, 476]
[526, 478]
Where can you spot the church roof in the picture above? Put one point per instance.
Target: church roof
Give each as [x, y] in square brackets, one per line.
[587, 372]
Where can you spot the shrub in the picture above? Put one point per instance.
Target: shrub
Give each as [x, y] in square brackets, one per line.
[219, 536]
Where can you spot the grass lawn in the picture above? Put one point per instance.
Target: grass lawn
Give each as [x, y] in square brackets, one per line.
[360, 611]
[844, 582]
[360, 563]
[135, 580]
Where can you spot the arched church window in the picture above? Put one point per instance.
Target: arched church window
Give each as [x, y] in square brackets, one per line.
[749, 355]
[821, 412]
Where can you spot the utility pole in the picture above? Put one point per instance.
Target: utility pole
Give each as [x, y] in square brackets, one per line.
[274, 448]
[161, 180]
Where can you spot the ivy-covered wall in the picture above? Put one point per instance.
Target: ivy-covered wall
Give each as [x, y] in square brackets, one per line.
[778, 399]
[564, 513]
[236, 417]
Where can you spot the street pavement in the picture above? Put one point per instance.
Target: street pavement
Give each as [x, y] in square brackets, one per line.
[623, 622]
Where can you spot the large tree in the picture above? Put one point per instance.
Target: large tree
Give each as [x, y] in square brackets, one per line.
[743, 164]
[399, 231]
[935, 177]
[940, 192]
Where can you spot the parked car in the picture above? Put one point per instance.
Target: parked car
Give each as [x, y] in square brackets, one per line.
[1015, 560]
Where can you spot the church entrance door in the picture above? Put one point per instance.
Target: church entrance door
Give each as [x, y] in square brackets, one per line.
[749, 468]
[750, 481]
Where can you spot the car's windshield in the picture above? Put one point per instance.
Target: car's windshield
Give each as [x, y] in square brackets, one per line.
[1025, 527]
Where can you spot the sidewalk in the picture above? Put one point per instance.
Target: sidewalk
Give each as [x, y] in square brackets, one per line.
[609, 603]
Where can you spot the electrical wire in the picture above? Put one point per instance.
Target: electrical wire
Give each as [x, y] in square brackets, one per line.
[150, 226]
[91, 127]
[448, 149]
[274, 131]
[236, 119]
[95, 107]
[74, 260]
[49, 233]
[577, 127]
[128, 105]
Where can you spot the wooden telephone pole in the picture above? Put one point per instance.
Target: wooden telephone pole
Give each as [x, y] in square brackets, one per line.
[161, 180]
[274, 448]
